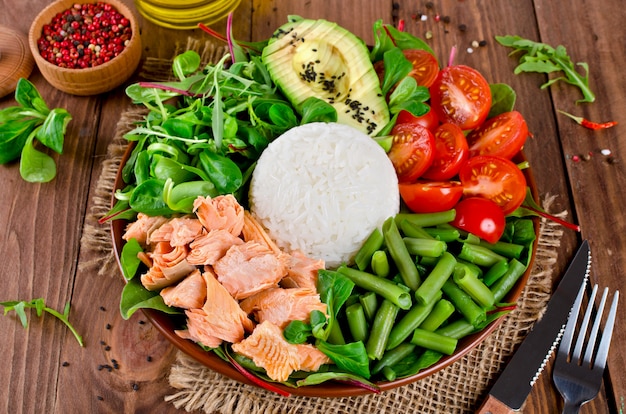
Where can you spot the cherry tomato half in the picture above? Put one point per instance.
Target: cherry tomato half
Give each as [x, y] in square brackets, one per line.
[461, 96]
[451, 152]
[503, 135]
[481, 217]
[425, 66]
[428, 120]
[431, 196]
[412, 151]
[495, 178]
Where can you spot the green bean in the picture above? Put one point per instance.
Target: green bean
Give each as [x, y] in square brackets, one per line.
[357, 322]
[468, 281]
[447, 235]
[336, 335]
[428, 290]
[400, 255]
[428, 261]
[372, 243]
[427, 219]
[442, 310]
[479, 255]
[379, 334]
[495, 272]
[510, 250]
[393, 356]
[432, 340]
[506, 282]
[457, 329]
[380, 263]
[389, 373]
[464, 304]
[411, 320]
[369, 301]
[411, 230]
[383, 287]
[425, 247]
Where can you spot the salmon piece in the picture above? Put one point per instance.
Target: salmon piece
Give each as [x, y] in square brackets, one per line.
[142, 228]
[268, 349]
[189, 293]
[169, 265]
[281, 306]
[221, 212]
[253, 231]
[311, 358]
[178, 231]
[219, 319]
[302, 271]
[249, 268]
[212, 246]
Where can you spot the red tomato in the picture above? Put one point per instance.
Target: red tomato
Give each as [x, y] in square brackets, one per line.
[496, 179]
[425, 66]
[428, 120]
[481, 217]
[412, 151]
[503, 135]
[431, 196]
[461, 96]
[451, 152]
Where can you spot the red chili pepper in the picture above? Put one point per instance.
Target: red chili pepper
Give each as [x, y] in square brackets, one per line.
[590, 124]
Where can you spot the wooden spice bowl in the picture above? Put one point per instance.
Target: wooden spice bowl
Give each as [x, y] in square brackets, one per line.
[89, 80]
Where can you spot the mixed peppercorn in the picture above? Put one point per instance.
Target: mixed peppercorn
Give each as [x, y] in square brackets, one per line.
[84, 36]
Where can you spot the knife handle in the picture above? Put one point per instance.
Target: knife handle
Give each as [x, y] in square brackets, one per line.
[494, 406]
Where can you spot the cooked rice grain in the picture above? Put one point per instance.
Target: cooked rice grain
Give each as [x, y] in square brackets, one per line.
[322, 188]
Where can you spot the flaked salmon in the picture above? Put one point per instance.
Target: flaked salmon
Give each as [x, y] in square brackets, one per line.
[311, 358]
[221, 212]
[178, 231]
[281, 306]
[212, 246]
[253, 231]
[219, 319]
[169, 265]
[249, 268]
[142, 228]
[302, 271]
[189, 293]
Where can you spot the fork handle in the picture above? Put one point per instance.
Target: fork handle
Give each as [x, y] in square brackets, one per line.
[571, 408]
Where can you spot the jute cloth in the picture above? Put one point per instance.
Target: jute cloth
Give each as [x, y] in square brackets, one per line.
[458, 388]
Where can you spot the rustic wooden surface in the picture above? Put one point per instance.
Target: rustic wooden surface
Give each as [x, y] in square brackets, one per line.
[41, 225]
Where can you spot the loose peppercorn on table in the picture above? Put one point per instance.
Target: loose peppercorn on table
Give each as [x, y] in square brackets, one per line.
[124, 366]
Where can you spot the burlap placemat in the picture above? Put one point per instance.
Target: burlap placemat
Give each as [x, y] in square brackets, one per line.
[195, 388]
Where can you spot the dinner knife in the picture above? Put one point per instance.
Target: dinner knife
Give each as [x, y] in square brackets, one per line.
[513, 385]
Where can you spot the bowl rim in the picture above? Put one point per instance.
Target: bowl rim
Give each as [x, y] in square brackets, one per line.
[62, 5]
[163, 322]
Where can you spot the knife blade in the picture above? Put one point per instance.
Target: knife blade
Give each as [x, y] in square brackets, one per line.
[513, 385]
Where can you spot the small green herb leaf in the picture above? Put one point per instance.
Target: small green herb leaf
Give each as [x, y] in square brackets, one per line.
[36, 166]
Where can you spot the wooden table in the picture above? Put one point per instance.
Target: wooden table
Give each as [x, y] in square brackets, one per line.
[41, 225]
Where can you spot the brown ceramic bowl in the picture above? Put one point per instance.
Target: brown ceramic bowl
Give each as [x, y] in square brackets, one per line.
[166, 324]
[87, 81]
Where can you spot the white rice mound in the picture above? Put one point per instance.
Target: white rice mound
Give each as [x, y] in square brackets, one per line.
[321, 189]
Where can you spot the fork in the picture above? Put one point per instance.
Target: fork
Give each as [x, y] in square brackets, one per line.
[578, 380]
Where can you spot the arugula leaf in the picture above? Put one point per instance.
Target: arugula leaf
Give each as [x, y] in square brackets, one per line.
[39, 305]
[351, 357]
[135, 297]
[334, 289]
[502, 99]
[128, 259]
[542, 58]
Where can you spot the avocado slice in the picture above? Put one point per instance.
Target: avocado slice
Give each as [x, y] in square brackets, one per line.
[319, 58]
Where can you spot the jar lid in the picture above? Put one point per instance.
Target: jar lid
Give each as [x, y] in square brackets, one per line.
[16, 60]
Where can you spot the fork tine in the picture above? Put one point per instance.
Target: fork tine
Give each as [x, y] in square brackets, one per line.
[568, 334]
[591, 342]
[576, 354]
[605, 341]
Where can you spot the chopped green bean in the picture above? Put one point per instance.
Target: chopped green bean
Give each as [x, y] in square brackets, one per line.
[495, 272]
[434, 341]
[379, 334]
[357, 322]
[457, 329]
[467, 279]
[380, 263]
[479, 255]
[372, 243]
[411, 320]
[336, 335]
[389, 373]
[447, 235]
[442, 310]
[411, 230]
[393, 356]
[433, 283]
[464, 304]
[425, 247]
[510, 250]
[506, 282]
[369, 301]
[400, 254]
[427, 219]
[383, 287]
